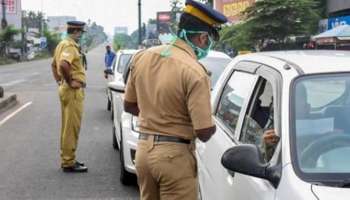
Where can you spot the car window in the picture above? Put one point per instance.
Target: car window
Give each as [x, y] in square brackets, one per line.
[215, 67]
[259, 118]
[321, 123]
[123, 62]
[234, 95]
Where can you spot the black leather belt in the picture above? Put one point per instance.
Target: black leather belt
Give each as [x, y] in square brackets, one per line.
[164, 138]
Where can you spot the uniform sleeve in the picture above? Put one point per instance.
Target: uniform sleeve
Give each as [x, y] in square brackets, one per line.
[198, 103]
[130, 90]
[68, 54]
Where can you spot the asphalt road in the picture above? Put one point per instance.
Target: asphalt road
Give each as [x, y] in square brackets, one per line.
[29, 138]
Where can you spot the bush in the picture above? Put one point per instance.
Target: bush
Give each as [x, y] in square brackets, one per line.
[52, 40]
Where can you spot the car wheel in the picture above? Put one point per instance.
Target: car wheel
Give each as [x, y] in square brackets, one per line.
[115, 142]
[109, 105]
[126, 178]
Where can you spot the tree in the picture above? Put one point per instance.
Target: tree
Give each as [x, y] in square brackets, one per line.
[276, 20]
[176, 7]
[52, 40]
[122, 41]
[7, 38]
[235, 36]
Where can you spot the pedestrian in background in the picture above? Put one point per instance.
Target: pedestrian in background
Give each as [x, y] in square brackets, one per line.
[169, 90]
[69, 72]
[109, 57]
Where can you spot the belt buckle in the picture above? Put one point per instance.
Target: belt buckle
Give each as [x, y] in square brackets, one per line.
[156, 138]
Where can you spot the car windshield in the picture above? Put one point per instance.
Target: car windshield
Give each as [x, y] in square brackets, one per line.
[321, 125]
[123, 62]
[215, 66]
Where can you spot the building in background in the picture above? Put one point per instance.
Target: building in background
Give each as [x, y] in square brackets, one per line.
[58, 23]
[163, 21]
[120, 30]
[338, 12]
[232, 8]
[13, 13]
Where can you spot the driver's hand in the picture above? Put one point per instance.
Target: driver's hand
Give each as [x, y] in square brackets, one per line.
[270, 137]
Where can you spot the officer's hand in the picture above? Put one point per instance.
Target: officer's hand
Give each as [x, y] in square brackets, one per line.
[76, 84]
[270, 137]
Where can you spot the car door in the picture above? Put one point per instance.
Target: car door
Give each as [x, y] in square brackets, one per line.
[215, 182]
[122, 65]
[260, 116]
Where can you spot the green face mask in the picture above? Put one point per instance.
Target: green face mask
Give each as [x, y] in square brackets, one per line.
[200, 53]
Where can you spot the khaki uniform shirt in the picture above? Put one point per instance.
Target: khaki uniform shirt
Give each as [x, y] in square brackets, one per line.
[68, 50]
[172, 92]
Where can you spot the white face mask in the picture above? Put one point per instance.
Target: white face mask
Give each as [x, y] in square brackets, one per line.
[165, 38]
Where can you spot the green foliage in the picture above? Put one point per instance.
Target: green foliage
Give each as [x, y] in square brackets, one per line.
[8, 33]
[273, 21]
[122, 41]
[278, 19]
[52, 40]
[235, 36]
[176, 7]
[33, 20]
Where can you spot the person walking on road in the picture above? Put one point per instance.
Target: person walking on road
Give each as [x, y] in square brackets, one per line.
[69, 72]
[169, 91]
[109, 57]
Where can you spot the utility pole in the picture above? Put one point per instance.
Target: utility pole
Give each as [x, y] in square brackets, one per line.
[140, 29]
[3, 20]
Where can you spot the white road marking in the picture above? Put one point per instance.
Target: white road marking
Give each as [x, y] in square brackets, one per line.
[14, 113]
[13, 82]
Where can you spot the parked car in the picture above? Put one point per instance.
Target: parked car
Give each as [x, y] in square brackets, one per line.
[120, 62]
[304, 98]
[125, 128]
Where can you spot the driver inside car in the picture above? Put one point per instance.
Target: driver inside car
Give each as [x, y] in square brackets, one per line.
[302, 111]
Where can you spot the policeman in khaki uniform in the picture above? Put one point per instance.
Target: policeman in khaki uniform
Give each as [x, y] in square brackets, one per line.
[69, 72]
[170, 93]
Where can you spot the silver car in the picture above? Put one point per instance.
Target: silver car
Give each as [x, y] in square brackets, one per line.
[125, 129]
[283, 129]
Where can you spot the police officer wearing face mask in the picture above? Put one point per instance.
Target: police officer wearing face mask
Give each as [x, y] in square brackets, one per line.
[69, 73]
[169, 91]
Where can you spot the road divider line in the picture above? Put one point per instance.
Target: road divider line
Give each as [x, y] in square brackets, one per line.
[14, 113]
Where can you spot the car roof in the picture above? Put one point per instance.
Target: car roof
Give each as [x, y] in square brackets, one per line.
[309, 61]
[217, 54]
[128, 51]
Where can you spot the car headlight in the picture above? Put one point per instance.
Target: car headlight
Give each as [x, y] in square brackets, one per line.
[135, 124]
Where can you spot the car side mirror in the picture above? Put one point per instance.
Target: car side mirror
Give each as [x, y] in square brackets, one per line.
[247, 159]
[117, 86]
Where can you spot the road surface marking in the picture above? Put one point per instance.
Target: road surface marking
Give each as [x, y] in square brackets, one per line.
[14, 113]
[13, 82]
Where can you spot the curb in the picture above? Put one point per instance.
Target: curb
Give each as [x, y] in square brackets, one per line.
[7, 102]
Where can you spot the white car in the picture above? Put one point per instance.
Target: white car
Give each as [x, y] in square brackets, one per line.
[304, 96]
[125, 129]
[120, 62]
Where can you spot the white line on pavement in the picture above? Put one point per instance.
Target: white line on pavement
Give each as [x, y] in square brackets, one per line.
[14, 113]
[13, 82]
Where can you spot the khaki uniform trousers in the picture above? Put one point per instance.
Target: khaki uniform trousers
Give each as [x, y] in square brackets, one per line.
[72, 109]
[166, 171]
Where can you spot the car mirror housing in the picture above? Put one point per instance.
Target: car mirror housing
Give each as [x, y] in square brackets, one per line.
[247, 159]
[117, 86]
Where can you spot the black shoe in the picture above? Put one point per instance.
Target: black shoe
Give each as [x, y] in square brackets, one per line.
[76, 168]
[80, 163]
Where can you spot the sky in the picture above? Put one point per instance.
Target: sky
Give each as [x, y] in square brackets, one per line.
[108, 13]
